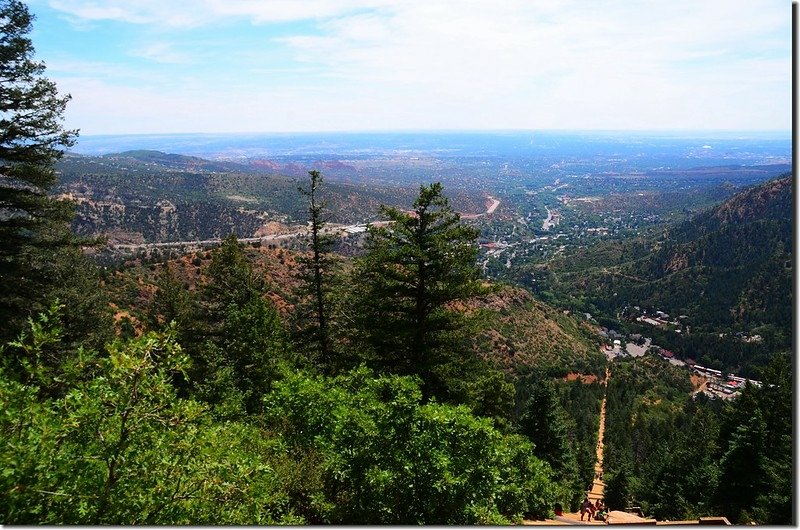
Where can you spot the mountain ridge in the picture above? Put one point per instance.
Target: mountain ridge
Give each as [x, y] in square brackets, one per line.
[727, 270]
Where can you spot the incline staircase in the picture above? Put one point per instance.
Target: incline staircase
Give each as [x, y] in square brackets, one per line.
[598, 486]
[597, 491]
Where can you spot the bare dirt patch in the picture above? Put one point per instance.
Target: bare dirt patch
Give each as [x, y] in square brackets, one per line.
[274, 228]
[698, 381]
[586, 379]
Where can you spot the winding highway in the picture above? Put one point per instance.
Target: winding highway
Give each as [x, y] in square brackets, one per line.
[343, 231]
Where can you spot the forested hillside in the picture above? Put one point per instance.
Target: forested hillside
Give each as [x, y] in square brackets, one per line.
[731, 264]
[523, 333]
[153, 197]
[148, 196]
[680, 458]
[728, 269]
[518, 333]
[728, 265]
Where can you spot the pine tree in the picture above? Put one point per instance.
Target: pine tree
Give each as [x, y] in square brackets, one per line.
[32, 138]
[618, 488]
[756, 441]
[414, 270]
[315, 273]
[231, 279]
[238, 340]
[171, 302]
[544, 422]
[744, 469]
[685, 477]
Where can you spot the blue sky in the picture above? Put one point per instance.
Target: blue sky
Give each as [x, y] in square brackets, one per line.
[169, 66]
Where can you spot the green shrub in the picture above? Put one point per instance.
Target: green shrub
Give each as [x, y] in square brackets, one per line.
[387, 459]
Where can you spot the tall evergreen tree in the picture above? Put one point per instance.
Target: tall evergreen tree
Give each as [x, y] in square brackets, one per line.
[686, 477]
[73, 279]
[618, 488]
[171, 302]
[32, 138]
[237, 339]
[230, 278]
[414, 270]
[544, 422]
[744, 469]
[315, 274]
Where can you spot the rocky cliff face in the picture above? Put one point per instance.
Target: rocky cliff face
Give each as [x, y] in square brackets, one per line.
[163, 220]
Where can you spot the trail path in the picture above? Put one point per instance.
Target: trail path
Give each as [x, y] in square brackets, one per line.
[598, 486]
[597, 491]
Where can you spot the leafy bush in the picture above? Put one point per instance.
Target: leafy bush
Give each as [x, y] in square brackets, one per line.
[122, 448]
[387, 459]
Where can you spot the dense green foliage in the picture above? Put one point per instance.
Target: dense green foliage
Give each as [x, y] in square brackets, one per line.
[545, 423]
[561, 418]
[236, 337]
[120, 447]
[389, 459]
[683, 458]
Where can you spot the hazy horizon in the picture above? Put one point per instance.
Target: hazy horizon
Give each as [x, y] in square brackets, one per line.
[660, 147]
[699, 133]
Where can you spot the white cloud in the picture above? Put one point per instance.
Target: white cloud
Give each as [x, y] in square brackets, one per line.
[477, 64]
[599, 64]
[162, 52]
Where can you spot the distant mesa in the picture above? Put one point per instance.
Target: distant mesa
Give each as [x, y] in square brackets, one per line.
[265, 164]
